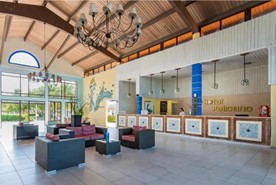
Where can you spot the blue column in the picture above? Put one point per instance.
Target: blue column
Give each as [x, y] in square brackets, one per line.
[139, 104]
[197, 87]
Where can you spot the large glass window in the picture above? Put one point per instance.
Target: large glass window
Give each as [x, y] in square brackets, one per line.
[69, 108]
[55, 111]
[19, 85]
[67, 90]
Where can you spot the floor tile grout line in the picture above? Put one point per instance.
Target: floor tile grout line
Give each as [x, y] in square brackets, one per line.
[268, 170]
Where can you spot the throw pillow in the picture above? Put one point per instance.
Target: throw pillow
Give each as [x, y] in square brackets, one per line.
[138, 128]
[87, 130]
[52, 137]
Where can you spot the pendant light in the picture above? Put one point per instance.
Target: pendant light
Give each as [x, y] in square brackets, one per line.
[162, 91]
[245, 81]
[129, 94]
[177, 89]
[151, 91]
[215, 84]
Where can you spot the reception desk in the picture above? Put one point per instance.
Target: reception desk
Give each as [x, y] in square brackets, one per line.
[234, 128]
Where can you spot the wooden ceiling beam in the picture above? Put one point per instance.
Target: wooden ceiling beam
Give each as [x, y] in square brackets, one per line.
[126, 6]
[6, 29]
[185, 30]
[86, 57]
[43, 14]
[68, 49]
[100, 65]
[29, 31]
[83, 3]
[185, 15]
[60, 48]
[51, 38]
[188, 3]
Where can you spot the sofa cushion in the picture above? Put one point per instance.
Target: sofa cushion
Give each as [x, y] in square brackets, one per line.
[86, 138]
[129, 137]
[52, 137]
[62, 125]
[87, 130]
[77, 130]
[138, 128]
[96, 136]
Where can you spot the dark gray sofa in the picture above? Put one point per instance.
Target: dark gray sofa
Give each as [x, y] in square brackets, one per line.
[25, 131]
[143, 139]
[55, 155]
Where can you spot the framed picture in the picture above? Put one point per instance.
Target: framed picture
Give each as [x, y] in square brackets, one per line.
[149, 107]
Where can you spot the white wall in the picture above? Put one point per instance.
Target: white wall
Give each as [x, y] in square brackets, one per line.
[126, 103]
[59, 66]
[248, 36]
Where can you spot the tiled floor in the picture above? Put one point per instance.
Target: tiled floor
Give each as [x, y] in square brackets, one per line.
[174, 160]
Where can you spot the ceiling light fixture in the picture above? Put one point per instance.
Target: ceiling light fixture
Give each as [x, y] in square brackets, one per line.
[44, 75]
[245, 81]
[151, 91]
[162, 91]
[107, 30]
[177, 89]
[215, 84]
[129, 94]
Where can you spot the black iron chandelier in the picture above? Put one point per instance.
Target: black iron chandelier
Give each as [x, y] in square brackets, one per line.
[44, 75]
[109, 29]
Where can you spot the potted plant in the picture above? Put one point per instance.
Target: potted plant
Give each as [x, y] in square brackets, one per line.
[76, 117]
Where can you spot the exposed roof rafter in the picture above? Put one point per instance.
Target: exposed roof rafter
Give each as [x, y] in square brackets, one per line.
[6, 29]
[60, 48]
[86, 57]
[126, 6]
[29, 31]
[83, 3]
[43, 14]
[180, 8]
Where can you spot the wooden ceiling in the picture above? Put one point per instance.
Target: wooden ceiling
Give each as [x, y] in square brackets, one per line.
[160, 20]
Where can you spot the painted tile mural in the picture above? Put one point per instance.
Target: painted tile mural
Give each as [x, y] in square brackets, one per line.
[157, 123]
[122, 121]
[144, 121]
[103, 93]
[218, 128]
[131, 120]
[193, 126]
[249, 130]
[173, 124]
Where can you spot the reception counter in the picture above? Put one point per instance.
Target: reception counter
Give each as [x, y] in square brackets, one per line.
[245, 129]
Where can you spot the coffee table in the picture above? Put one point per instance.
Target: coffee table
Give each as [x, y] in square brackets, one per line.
[108, 148]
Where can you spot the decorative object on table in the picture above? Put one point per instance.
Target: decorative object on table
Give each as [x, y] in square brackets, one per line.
[78, 113]
[45, 75]
[177, 89]
[20, 124]
[108, 28]
[245, 81]
[215, 84]
[107, 137]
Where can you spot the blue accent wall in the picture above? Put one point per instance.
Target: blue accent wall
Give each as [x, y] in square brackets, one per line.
[139, 104]
[197, 86]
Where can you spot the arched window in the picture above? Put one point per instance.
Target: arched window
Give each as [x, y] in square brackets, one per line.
[24, 58]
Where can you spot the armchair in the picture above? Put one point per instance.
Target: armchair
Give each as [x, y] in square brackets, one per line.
[140, 139]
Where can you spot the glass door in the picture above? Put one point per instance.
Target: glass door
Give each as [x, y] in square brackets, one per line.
[54, 113]
[37, 114]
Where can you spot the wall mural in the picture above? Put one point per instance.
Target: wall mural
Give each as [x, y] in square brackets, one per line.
[103, 93]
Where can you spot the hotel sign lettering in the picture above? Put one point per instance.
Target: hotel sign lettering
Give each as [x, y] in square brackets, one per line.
[219, 107]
